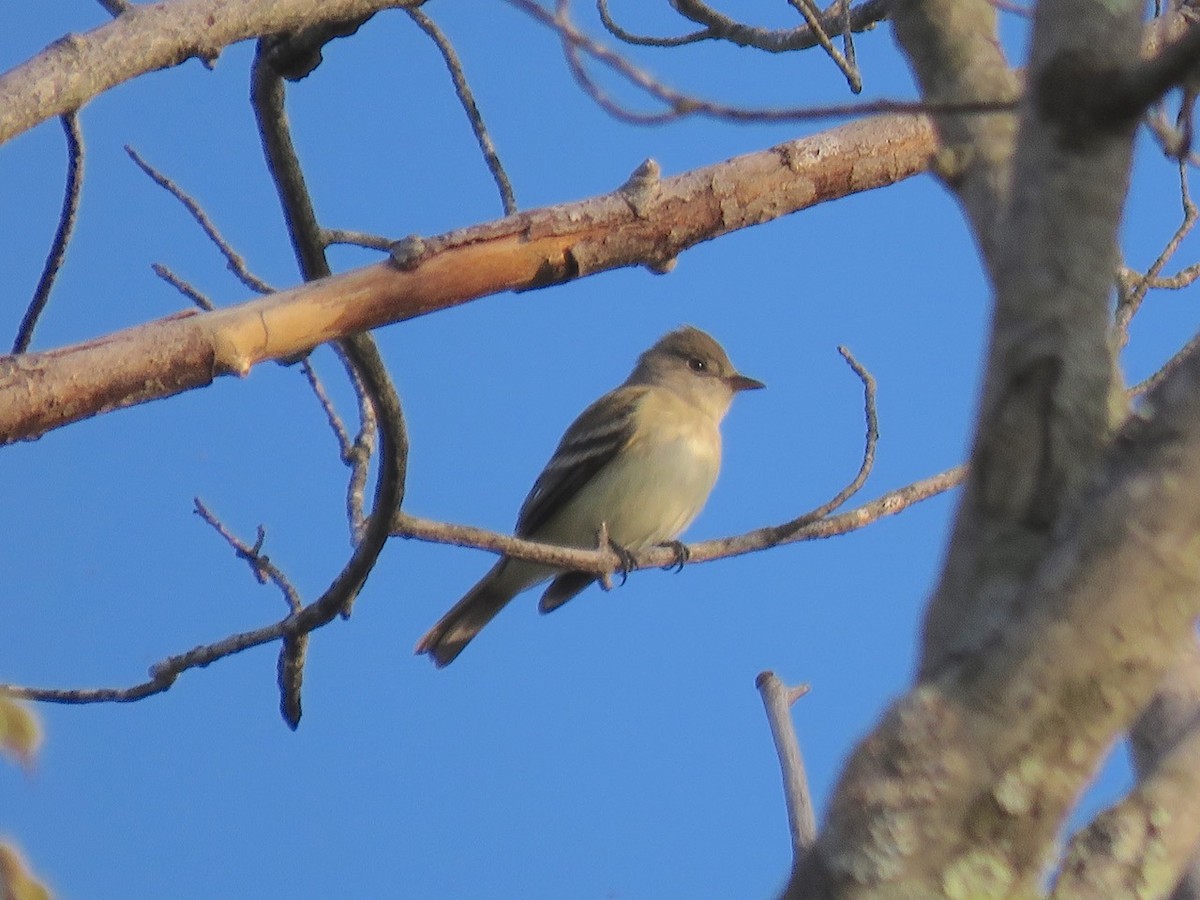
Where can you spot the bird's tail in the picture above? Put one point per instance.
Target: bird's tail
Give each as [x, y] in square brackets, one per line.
[445, 640]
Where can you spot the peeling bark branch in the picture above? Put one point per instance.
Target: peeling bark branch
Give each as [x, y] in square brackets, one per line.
[649, 226]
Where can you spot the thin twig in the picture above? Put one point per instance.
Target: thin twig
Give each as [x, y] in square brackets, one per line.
[868, 460]
[62, 234]
[357, 238]
[260, 564]
[643, 40]
[812, 18]
[862, 17]
[680, 105]
[1170, 366]
[331, 414]
[1132, 294]
[357, 454]
[234, 260]
[467, 98]
[390, 487]
[605, 561]
[188, 290]
[308, 242]
[777, 700]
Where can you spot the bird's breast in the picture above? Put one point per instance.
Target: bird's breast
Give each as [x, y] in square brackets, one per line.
[651, 491]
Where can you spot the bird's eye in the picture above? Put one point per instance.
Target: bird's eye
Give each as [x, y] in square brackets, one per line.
[696, 364]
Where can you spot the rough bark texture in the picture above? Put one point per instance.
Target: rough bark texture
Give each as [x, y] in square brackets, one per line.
[1071, 581]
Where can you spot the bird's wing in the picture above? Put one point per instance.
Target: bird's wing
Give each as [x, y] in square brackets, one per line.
[600, 433]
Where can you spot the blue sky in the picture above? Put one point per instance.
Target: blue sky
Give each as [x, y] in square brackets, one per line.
[616, 749]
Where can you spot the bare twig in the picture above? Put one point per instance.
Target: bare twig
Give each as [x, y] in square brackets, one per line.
[390, 488]
[356, 454]
[642, 40]
[680, 105]
[602, 561]
[358, 238]
[234, 260]
[467, 98]
[62, 234]
[308, 241]
[331, 414]
[1185, 277]
[862, 17]
[377, 395]
[812, 17]
[868, 460]
[260, 564]
[188, 290]
[1170, 366]
[777, 699]
[1134, 287]
[389, 492]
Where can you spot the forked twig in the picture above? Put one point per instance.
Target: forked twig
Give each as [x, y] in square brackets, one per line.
[777, 700]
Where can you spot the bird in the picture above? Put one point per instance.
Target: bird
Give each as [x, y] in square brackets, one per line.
[637, 465]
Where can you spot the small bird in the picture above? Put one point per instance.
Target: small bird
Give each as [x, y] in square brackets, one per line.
[639, 464]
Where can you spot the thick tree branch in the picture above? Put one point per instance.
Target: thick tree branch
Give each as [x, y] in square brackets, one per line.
[647, 226]
[1073, 574]
[1141, 846]
[1050, 375]
[976, 768]
[148, 37]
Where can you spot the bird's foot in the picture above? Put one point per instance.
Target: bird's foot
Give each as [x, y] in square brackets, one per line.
[682, 554]
[625, 559]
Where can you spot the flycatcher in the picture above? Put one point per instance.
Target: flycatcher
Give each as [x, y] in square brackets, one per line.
[639, 462]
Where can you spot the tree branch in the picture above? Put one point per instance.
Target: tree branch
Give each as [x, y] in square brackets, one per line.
[606, 562]
[62, 235]
[777, 699]
[467, 98]
[978, 765]
[42, 391]
[146, 38]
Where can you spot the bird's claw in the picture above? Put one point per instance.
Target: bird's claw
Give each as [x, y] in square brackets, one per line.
[626, 559]
[625, 563]
[682, 554]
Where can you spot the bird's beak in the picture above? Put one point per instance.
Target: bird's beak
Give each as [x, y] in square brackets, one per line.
[743, 383]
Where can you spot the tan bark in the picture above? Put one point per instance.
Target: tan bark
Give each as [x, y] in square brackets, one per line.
[647, 222]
